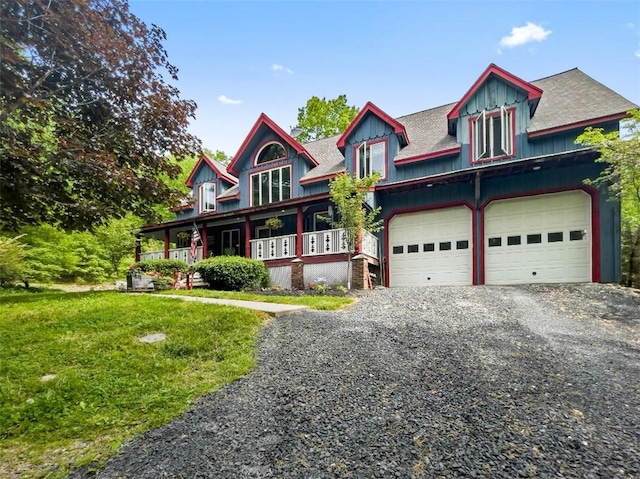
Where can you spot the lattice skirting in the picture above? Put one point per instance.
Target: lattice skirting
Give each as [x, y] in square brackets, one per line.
[333, 273]
[280, 276]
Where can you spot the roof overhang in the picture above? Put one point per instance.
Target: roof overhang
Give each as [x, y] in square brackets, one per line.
[398, 128]
[220, 173]
[264, 120]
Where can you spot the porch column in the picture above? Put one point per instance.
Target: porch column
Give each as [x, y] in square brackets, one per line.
[299, 228]
[137, 248]
[203, 236]
[166, 243]
[247, 237]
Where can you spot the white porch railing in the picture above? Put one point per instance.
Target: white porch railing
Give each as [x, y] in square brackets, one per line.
[335, 241]
[324, 242]
[278, 247]
[369, 244]
[182, 254]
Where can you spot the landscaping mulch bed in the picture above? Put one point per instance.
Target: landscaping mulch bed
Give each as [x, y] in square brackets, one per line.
[532, 381]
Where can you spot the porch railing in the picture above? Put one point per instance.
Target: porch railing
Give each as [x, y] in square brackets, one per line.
[324, 242]
[182, 254]
[278, 247]
[369, 244]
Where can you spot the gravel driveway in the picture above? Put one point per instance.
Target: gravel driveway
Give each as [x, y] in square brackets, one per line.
[532, 381]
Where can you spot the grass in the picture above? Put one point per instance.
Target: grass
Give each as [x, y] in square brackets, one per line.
[108, 386]
[315, 301]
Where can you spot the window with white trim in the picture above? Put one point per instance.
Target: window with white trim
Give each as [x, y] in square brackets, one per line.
[370, 158]
[206, 197]
[271, 186]
[492, 134]
[271, 152]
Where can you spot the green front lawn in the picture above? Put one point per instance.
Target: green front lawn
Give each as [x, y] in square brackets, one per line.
[314, 301]
[108, 386]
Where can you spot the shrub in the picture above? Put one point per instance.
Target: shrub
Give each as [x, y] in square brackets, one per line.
[164, 267]
[233, 273]
[11, 256]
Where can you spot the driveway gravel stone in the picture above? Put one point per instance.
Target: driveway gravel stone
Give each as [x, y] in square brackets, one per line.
[529, 381]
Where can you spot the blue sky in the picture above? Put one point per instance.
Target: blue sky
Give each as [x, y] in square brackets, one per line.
[239, 59]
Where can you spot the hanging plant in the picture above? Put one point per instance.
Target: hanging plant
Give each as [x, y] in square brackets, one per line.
[183, 235]
[273, 223]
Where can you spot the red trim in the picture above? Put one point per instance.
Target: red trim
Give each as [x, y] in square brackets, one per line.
[166, 243]
[420, 181]
[326, 258]
[580, 124]
[270, 168]
[247, 236]
[436, 206]
[229, 198]
[429, 156]
[595, 223]
[262, 146]
[356, 170]
[284, 136]
[398, 128]
[299, 231]
[533, 92]
[219, 173]
[318, 179]
[512, 110]
[203, 237]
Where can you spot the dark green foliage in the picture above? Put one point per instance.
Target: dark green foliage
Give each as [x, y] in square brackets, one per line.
[166, 267]
[233, 273]
[90, 118]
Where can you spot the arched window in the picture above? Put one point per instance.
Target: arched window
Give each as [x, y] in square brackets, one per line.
[271, 151]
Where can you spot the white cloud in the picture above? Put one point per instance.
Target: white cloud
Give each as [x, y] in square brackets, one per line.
[638, 53]
[523, 35]
[228, 101]
[281, 68]
[631, 25]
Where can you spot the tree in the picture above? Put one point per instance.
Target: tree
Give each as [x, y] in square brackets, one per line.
[219, 156]
[348, 194]
[11, 256]
[322, 118]
[87, 120]
[621, 155]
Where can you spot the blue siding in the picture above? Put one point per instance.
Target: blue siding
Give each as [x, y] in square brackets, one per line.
[370, 128]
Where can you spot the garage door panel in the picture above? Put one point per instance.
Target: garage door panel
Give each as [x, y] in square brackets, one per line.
[435, 245]
[554, 232]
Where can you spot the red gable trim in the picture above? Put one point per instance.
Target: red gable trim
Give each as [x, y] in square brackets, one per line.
[220, 173]
[318, 179]
[533, 92]
[429, 156]
[580, 124]
[398, 128]
[269, 123]
[229, 198]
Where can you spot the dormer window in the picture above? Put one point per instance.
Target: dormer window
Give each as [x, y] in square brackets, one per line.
[206, 197]
[370, 158]
[492, 134]
[271, 152]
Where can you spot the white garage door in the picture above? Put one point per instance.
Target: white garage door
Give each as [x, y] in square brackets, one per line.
[538, 239]
[431, 248]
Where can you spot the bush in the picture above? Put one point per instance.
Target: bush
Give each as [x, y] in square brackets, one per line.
[233, 273]
[11, 256]
[164, 267]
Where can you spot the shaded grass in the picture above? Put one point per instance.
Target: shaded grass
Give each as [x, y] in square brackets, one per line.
[108, 385]
[321, 302]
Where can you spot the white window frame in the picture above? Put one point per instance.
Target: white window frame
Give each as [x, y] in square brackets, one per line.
[368, 167]
[206, 197]
[267, 145]
[257, 178]
[484, 145]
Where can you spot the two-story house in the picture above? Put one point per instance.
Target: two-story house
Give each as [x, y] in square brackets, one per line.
[487, 190]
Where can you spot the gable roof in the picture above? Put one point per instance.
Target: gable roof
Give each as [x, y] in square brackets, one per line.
[533, 92]
[398, 128]
[269, 123]
[219, 169]
[571, 99]
[330, 160]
